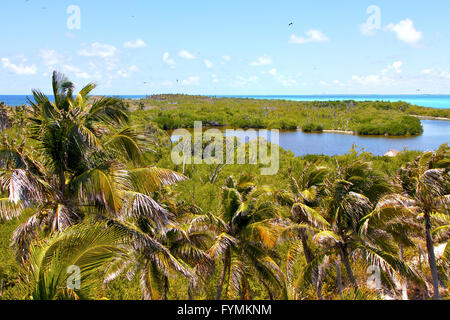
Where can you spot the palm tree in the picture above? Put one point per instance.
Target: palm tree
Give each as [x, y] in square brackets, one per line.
[426, 181]
[351, 192]
[180, 251]
[79, 252]
[247, 231]
[393, 224]
[302, 201]
[442, 234]
[77, 160]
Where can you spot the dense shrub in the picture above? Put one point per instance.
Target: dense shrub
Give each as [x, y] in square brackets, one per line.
[312, 127]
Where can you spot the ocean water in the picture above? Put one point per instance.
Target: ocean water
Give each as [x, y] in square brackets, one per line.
[17, 100]
[435, 132]
[433, 101]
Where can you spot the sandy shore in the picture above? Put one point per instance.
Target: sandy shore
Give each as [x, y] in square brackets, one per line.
[430, 118]
[340, 131]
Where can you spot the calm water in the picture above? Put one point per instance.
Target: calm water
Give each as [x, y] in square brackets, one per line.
[435, 134]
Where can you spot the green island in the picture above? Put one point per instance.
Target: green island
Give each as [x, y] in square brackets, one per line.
[88, 186]
[363, 118]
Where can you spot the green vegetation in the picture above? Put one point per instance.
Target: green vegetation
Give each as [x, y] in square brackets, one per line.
[312, 127]
[366, 118]
[402, 126]
[82, 185]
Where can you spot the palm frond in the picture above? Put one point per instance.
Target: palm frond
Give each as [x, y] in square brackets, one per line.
[149, 179]
[305, 214]
[390, 263]
[9, 210]
[221, 244]
[86, 248]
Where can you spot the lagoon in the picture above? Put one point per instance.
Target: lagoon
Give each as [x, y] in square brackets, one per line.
[435, 134]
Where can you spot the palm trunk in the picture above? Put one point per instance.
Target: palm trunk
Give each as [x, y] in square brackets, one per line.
[432, 257]
[339, 277]
[269, 292]
[346, 260]
[306, 250]
[189, 291]
[226, 265]
[166, 288]
[404, 283]
[309, 256]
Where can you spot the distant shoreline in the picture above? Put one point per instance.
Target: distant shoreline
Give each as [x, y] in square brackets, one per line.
[430, 118]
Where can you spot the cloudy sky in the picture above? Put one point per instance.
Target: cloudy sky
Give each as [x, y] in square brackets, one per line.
[228, 47]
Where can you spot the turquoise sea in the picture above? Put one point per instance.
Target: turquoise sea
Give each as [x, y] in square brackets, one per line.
[435, 132]
[434, 101]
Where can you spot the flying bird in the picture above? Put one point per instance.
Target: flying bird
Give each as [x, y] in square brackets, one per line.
[291, 24]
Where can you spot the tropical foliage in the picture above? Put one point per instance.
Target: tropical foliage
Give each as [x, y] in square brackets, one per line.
[87, 212]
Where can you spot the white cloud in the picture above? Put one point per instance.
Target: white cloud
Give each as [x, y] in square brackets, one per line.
[18, 68]
[406, 31]
[83, 75]
[138, 43]
[444, 74]
[76, 71]
[396, 66]
[51, 57]
[97, 49]
[367, 80]
[190, 81]
[126, 73]
[166, 83]
[261, 61]
[367, 30]
[436, 74]
[70, 68]
[273, 71]
[226, 58]
[288, 82]
[311, 36]
[208, 64]
[388, 76]
[242, 81]
[167, 60]
[186, 55]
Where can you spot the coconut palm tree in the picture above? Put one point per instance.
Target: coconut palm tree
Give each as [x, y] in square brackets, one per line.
[426, 182]
[303, 200]
[351, 192]
[442, 234]
[247, 231]
[181, 251]
[393, 226]
[75, 160]
[66, 265]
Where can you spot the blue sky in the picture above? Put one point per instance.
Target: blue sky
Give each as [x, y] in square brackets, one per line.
[228, 47]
